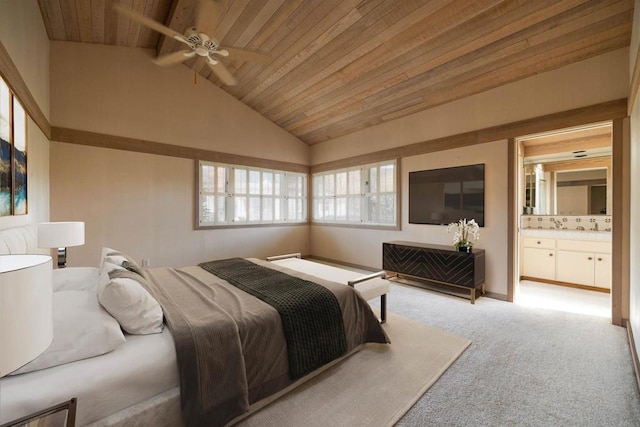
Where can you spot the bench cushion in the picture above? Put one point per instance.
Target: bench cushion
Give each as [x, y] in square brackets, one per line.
[368, 290]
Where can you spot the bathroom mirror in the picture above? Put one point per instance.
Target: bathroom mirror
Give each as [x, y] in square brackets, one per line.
[567, 172]
[549, 190]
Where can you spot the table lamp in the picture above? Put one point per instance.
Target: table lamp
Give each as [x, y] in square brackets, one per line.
[26, 319]
[61, 235]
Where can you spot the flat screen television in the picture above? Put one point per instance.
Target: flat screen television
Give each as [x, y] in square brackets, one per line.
[442, 196]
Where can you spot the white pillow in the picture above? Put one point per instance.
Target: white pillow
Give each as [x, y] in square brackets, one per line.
[123, 295]
[75, 278]
[81, 329]
[123, 260]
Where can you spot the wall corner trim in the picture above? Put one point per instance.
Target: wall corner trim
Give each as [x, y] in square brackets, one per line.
[93, 139]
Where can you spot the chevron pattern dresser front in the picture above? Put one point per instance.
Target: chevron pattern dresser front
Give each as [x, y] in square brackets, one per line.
[437, 263]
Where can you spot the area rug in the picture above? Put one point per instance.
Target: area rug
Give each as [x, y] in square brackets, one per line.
[375, 386]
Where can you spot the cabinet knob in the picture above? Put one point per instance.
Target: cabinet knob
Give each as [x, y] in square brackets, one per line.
[590, 258]
[599, 259]
[539, 242]
[550, 254]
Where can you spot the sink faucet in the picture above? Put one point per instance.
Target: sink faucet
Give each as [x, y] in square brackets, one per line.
[595, 226]
[557, 223]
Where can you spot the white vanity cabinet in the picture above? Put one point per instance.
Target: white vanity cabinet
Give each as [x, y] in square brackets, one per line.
[584, 262]
[581, 262]
[539, 258]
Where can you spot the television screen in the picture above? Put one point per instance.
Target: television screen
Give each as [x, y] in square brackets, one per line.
[442, 196]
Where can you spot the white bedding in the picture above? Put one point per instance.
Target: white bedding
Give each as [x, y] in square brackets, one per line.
[141, 368]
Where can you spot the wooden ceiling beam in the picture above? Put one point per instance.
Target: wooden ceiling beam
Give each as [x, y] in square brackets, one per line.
[181, 16]
[585, 143]
[578, 164]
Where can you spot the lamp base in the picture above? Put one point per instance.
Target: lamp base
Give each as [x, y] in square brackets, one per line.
[62, 257]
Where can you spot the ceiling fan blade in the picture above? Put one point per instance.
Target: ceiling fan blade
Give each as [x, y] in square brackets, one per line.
[174, 58]
[208, 17]
[150, 23]
[248, 55]
[222, 72]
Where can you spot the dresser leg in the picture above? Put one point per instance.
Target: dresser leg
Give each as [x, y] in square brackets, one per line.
[473, 295]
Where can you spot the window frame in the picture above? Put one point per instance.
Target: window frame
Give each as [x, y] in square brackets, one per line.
[232, 197]
[362, 223]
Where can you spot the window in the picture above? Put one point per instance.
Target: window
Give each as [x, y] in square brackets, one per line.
[365, 195]
[239, 195]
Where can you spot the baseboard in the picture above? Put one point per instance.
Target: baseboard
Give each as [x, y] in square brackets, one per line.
[634, 353]
[567, 284]
[495, 295]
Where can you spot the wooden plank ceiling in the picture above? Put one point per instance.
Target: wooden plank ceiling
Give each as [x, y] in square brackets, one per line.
[338, 66]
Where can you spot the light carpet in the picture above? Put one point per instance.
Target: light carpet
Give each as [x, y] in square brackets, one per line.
[373, 387]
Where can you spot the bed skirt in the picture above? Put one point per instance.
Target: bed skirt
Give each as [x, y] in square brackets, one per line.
[163, 410]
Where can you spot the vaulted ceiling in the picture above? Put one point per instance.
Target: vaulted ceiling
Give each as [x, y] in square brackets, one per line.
[337, 66]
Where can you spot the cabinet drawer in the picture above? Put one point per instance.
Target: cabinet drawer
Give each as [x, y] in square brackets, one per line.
[539, 263]
[584, 246]
[543, 243]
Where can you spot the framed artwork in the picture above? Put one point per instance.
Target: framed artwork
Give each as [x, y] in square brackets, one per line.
[6, 184]
[19, 159]
[13, 154]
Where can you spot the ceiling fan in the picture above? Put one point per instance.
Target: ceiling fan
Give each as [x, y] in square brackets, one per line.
[199, 39]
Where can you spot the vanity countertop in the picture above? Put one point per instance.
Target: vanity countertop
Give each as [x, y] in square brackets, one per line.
[567, 234]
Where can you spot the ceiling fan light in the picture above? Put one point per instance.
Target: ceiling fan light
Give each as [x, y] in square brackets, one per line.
[201, 51]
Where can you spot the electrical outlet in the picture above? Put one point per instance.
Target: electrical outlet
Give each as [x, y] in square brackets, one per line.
[145, 262]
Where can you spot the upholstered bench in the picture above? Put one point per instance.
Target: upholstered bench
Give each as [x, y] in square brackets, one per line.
[368, 286]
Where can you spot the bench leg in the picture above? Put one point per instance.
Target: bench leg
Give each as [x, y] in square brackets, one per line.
[383, 308]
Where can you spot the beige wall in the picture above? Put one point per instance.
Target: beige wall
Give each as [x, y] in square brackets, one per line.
[143, 204]
[364, 246]
[119, 91]
[23, 35]
[634, 244]
[25, 39]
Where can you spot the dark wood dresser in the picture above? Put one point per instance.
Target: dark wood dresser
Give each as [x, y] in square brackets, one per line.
[439, 264]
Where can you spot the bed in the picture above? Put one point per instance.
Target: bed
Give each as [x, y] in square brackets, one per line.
[140, 380]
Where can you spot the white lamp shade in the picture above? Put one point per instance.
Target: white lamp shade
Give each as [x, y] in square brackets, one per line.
[26, 319]
[60, 234]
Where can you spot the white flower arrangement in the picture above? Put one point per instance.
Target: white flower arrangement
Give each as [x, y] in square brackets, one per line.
[463, 232]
